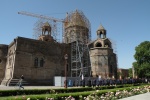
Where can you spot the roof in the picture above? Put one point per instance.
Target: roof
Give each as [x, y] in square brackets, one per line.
[76, 18]
[46, 24]
[101, 27]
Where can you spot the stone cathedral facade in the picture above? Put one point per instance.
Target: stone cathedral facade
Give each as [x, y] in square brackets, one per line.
[42, 59]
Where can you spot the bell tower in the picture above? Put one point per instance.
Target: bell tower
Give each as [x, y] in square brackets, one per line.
[101, 32]
[103, 59]
[46, 28]
[46, 33]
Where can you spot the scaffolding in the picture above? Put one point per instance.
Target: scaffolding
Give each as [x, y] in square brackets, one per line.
[56, 25]
[54, 32]
[77, 33]
[76, 26]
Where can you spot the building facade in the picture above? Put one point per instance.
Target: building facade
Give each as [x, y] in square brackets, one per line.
[42, 59]
[123, 73]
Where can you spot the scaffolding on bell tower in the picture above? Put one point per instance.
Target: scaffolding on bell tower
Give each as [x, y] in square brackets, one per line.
[77, 33]
[56, 24]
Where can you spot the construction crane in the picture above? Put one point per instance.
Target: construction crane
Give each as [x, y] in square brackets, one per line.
[53, 23]
[41, 16]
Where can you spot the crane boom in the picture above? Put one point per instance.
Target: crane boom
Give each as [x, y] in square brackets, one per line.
[40, 16]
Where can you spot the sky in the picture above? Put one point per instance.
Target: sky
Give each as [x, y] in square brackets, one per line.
[127, 21]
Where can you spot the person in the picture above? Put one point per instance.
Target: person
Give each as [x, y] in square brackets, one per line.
[83, 83]
[20, 82]
[89, 83]
[77, 83]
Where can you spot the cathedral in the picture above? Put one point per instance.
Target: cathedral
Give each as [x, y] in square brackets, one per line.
[40, 60]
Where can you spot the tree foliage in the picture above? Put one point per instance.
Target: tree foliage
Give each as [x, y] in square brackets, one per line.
[142, 57]
[130, 72]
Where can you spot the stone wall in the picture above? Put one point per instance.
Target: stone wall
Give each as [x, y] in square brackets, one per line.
[48, 56]
[10, 63]
[103, 62]
[3, 54]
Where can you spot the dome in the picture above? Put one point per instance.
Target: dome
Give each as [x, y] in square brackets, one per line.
[46, 24]
[101, 28]
[46, 27]
[76, 18]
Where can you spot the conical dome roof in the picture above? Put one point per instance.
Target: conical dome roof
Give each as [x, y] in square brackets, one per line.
[46, 24]
[75, 19]
[101, 27]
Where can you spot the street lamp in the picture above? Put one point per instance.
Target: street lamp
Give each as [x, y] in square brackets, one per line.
[66, 58]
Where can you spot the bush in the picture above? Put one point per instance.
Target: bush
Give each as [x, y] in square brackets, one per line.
[42, 91]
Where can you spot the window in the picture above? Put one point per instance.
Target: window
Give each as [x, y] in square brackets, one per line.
[107, 45]
[36, 62]
[101, 35]
[98, 45]
[41, 62]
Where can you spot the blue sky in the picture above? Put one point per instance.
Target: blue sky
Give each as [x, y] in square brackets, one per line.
[127, 21]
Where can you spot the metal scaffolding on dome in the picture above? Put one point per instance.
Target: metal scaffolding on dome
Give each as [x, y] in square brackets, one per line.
[77, 33]
[77, 19]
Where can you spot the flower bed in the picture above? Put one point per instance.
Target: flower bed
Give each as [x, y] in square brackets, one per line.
[113, 94]
[117, 94]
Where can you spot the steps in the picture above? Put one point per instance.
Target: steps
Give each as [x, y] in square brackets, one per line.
[14, 82]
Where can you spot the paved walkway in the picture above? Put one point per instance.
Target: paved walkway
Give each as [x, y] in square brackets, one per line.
[145, 96]
[2, 87]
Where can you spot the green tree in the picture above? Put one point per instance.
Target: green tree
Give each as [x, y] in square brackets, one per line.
[142, 57]
[130, 72]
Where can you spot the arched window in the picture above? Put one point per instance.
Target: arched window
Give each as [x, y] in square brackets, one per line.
[101, 34]
[41, 62]
[107, 45]
[36, 62]
[98, 45]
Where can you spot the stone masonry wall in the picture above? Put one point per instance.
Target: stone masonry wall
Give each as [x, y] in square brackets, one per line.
[3, 54]
[21, 60]
[28, 49]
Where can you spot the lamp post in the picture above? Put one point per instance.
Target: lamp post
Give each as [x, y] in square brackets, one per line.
[66, 58]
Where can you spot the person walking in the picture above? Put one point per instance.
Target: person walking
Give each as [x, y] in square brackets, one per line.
[20, 82]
